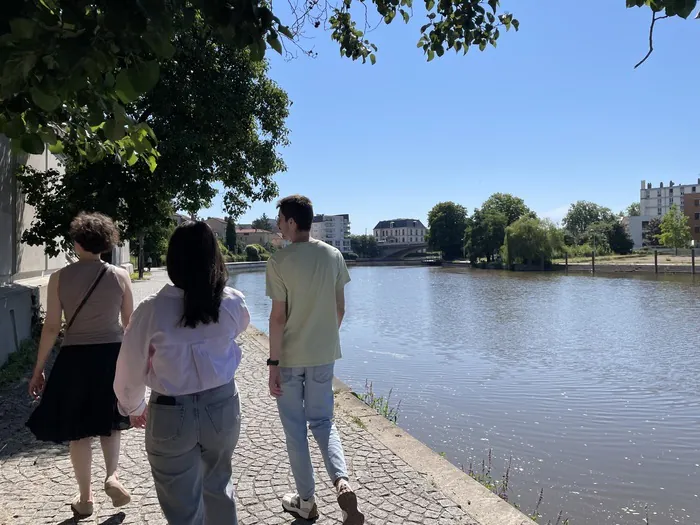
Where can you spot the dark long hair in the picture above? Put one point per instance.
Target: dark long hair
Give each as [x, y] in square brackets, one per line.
[196, 266]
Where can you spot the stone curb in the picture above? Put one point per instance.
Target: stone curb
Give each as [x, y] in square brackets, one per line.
[472, 497]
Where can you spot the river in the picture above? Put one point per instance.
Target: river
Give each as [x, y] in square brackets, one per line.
[590, 384]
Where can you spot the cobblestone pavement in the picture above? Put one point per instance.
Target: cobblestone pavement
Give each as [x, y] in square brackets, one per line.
[36, 480]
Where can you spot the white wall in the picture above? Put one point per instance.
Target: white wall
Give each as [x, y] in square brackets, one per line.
[635, 228]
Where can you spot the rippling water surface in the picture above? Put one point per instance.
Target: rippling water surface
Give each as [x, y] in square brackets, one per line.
[591, 384]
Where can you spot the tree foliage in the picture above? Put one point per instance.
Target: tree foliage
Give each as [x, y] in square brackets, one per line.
[447, 223]
[675, 231]
[220, 119]
[484, 234]
[650, 235]
[72, 66]
[583, 214]
[633, 210]
[508, 205]
[532, 241]
[231, 242]
[364, 246]
[262, 223]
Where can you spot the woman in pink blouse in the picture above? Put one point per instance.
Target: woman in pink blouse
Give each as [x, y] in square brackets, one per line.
[181, 344]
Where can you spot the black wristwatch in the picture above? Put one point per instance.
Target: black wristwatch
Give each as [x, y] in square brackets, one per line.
[271, 362]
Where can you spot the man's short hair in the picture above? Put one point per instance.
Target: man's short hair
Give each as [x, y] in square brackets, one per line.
[300, 209]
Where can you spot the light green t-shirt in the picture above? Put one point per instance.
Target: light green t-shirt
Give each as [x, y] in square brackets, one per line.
[306, 276]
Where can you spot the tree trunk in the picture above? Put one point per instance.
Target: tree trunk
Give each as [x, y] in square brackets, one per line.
[140, 262]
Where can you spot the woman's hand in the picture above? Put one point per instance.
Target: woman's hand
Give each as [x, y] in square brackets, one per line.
[36, 384]
[139, 421]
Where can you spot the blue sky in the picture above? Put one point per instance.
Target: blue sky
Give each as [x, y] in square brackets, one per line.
[555, 114]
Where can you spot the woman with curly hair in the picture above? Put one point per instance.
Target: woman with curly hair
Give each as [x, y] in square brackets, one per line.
[78, 403]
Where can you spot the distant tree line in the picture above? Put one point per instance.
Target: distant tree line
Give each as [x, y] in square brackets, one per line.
[505, 229]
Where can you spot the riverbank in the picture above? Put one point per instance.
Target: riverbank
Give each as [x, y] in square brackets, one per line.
[397, 479]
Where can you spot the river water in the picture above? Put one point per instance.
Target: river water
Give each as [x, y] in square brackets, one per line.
[590, 384]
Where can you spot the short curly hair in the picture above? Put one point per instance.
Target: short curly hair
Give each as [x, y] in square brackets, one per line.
[94, 232]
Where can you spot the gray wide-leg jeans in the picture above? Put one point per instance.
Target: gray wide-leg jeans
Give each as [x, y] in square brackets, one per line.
[190, 441]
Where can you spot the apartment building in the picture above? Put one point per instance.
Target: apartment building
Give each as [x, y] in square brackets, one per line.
[657, 201]
[333, 230]
[401, 231]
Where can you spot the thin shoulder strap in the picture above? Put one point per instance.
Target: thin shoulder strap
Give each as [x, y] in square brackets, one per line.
[103, 270]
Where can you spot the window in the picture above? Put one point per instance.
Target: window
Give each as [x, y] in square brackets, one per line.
[697, 229]
[697, 202]
[694, 189]
[659, 211]
[697, 216]
[670, 201]
[670, 191]
[658, 193]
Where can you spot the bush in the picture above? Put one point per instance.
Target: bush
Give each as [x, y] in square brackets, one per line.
[264, 256]
[349, 256]
[252, 253]
[261, 249]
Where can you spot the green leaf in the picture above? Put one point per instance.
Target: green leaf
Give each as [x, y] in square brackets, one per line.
[22, 28]
[372, 58]
[285, 31]
[144, 76]
[257, 50]
[56, 148]
[431, 54]
[152, 164]
[32, 144]
[15, 128]
[124, 89]
[47, 102]
[516, 24]
[159, 44]
[274, 42]
[113, 130]
[429, 5]
[406, 16]
[48, 135]
[132, 159]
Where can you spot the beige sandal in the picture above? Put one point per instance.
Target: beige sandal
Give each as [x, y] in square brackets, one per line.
[82, 509]
[116, 491]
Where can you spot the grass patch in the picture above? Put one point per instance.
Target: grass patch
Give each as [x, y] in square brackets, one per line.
[359, 422]
[382, 405]
[19, 363]
[501, 488]
[135, 276]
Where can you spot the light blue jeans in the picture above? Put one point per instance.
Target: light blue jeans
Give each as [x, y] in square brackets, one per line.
[189, 443]
[307, 397]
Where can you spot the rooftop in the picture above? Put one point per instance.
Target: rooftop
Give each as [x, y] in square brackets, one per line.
[399, 223]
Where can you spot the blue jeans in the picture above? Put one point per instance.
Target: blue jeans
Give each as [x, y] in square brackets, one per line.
[189, 445]
[307, 396]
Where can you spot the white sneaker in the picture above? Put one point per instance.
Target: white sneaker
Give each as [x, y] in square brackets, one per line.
[305, 509]
[348, 504]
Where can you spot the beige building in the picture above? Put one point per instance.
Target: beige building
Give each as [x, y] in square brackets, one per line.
[401, 231]
[24, 269]
[252, 236]
[218, 226]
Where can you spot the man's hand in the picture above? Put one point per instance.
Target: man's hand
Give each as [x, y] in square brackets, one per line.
[139, 421]
[275, 382]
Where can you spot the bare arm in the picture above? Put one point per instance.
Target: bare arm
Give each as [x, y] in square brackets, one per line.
[52, 324]
[278, 319]
[127, 299]
[340, 304]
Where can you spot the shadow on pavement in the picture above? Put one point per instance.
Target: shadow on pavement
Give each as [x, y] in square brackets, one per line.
[116, 519]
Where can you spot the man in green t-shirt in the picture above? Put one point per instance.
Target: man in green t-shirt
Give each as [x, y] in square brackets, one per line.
[306, 282]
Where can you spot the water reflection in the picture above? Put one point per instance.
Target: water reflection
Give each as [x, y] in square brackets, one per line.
[591, 383]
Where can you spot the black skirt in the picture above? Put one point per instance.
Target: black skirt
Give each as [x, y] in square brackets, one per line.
[78, 400]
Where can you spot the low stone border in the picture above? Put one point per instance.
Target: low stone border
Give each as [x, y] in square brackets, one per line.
[472, 497]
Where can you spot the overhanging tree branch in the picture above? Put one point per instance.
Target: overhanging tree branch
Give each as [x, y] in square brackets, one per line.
[654, 19]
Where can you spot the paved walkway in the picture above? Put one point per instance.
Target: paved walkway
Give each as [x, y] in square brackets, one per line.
[36, 480]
